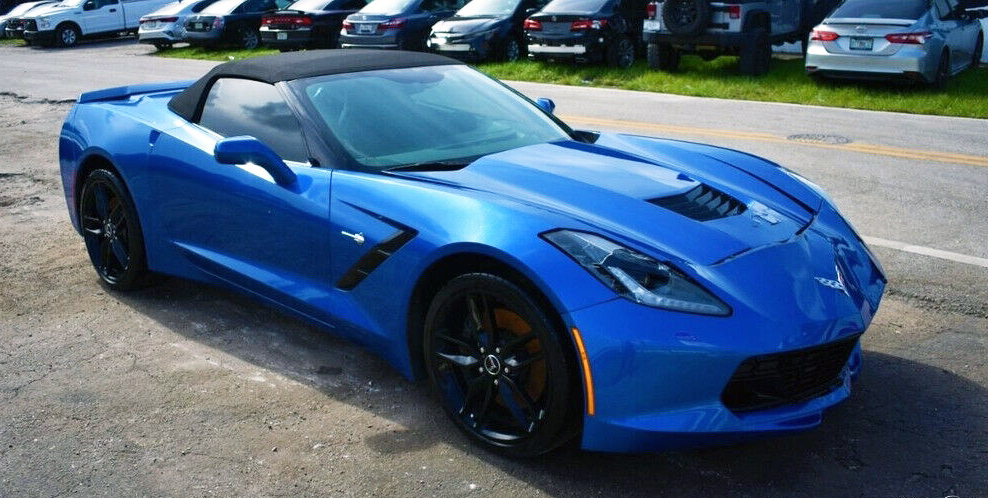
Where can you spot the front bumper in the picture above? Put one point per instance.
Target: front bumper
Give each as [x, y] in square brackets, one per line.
[40, 37]
[909, 63]
[473, 48]
[660, 377]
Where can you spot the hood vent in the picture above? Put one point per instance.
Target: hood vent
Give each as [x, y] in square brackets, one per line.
[702, 203]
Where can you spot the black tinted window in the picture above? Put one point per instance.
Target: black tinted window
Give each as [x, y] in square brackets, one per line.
[575, 6]
[883, 9]
[197, 8]
[244, 107]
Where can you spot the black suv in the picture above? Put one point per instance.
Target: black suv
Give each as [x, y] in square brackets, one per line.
[587, 31]
[746, 28]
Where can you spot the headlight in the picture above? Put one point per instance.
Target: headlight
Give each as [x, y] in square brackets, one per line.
[43, 22]
[636, 276]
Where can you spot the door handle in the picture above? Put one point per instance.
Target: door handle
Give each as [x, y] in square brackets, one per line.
[113, 10]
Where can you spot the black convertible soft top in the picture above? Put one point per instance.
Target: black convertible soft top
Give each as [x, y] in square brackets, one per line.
[295, 65]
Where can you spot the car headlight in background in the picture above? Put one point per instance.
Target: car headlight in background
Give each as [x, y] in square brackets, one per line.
[636, 276]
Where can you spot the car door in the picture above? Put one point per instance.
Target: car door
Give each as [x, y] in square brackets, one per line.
[100, 16]
[234, 222]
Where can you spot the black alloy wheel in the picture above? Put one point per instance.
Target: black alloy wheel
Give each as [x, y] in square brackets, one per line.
[511, 51]
[621, 53]
[249, 39]
[498, 366]
[112, 232]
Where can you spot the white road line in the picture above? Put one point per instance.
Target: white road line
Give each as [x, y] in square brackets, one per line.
[928, 251]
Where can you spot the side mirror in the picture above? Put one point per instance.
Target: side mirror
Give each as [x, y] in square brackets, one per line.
[89, 5]
[246, 149]
[545, 104]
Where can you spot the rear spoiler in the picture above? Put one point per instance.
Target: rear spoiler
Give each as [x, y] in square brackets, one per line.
[871, 21]
[122, 92]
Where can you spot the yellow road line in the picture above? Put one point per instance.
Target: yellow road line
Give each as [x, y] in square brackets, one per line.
[882, 150]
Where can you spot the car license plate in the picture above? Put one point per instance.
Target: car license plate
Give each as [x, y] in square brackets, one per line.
[438, 41]
[282, 36]
[862, 43]
[455, 47]
[151, 24]
[366, 28]
[653, 25]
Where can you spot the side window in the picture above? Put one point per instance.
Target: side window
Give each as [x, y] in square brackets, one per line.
[244, 107]
[353, 5]
[432, 5]
[104, 3]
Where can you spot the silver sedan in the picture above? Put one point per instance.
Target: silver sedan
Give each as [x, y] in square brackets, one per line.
[920, 40]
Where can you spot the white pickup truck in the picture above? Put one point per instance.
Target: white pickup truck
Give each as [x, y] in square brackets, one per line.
[65, 23]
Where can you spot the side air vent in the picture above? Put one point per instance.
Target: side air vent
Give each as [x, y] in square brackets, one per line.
[702, 203]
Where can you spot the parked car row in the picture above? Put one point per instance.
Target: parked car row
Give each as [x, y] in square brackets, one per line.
[919, 40]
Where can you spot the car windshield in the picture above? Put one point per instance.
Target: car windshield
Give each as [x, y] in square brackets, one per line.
[882, 9]
[488, 8]
[425, 115]
[222, 7]
[309, 5]
[387, 7]
[575, 6]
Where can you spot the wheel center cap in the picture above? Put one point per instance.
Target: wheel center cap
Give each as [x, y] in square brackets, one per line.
[108, 229]
[492, 364]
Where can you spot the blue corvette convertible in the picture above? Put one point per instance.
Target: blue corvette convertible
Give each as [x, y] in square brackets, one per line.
[633, 293]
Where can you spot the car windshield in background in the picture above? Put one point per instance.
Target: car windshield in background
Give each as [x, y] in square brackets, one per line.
[882, 9]
[222, 7]
[310, 5]
[488, 8]
[575, 6]
[387, 7]
[402, 117]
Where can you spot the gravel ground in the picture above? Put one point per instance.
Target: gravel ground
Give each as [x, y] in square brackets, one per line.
[186, 390]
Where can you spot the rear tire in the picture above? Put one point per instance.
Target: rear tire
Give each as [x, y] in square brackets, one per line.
[621, 53]
[112, 232]
[978, 52]
[498, 366]
[756, 55]
[662, 57]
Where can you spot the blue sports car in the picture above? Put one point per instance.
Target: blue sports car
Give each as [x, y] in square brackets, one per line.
[553, 285]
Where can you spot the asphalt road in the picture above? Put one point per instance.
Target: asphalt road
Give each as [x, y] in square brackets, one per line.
[185, 390]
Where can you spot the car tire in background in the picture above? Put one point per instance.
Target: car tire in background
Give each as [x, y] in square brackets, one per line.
[498, 365]
[112, 231]
[248, 39]
[686, 17]
[756, 55]
[662, 57]
[979, 51]
[621, 52]
[943, 71]
[67, 35]
[510, 49]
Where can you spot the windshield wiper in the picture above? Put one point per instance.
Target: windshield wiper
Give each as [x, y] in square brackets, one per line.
[451, 165]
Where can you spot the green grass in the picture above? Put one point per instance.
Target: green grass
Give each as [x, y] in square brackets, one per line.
[208, 54]
[964, 96]
[12, 42]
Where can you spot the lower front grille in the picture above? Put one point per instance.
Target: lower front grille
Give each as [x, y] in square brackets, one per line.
[30, 25]
[767, 381]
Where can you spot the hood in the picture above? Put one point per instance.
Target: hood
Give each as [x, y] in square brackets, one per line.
[455, 25]
[44, 10]
[635, 196]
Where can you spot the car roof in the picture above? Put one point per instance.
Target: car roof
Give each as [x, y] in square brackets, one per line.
[295, 65]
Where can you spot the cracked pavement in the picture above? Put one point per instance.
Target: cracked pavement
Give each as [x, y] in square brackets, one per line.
[186, 390]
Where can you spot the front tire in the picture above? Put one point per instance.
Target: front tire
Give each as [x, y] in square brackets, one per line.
[662, 57]
[67, 35]
[112, 231]
[943, 72]
[621, 53]
[498, 366]
[978, 52]
[510, 50]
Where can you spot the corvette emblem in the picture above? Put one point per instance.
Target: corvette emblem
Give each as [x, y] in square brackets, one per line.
[834, 284]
